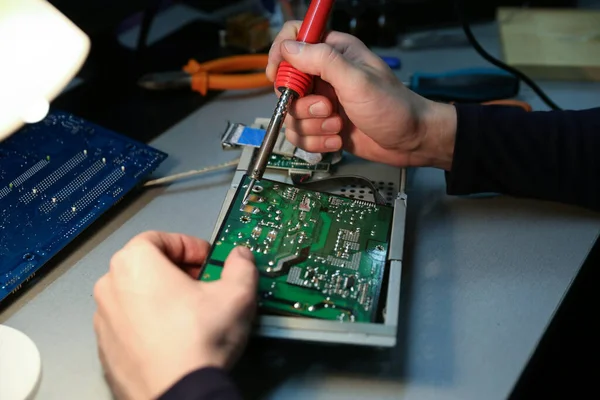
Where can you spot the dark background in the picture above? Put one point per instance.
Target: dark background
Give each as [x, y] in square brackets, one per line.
[110, 97]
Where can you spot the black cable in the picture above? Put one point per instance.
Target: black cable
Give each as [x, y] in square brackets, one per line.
[492, 60]
[147, 20]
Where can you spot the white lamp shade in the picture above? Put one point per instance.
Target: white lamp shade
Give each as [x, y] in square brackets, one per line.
[40, 53]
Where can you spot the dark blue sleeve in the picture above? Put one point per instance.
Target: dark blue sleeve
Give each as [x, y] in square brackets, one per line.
[203, 384]
[547, 155]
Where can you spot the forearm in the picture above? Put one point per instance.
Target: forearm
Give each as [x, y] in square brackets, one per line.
[544, 155]
[203, 384]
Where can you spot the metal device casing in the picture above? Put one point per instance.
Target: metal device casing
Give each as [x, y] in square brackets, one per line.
[383, 334]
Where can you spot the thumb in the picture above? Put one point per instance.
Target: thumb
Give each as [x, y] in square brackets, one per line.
[240, 269]
[319, 60]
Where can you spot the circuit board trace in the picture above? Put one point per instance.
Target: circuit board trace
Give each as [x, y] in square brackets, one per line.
[319, 255]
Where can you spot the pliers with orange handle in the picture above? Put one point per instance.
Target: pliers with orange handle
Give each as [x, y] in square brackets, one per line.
[506, 102]
[510, 102]
[213, 75]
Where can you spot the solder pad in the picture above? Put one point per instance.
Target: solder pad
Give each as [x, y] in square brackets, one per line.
[319, 255]
[56, 178]
[277, 161]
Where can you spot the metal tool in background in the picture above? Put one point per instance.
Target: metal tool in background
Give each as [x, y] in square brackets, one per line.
[292, 84]
[473, 85]
[213, 75]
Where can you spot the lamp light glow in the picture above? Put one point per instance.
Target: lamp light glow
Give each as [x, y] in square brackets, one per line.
[40, 51]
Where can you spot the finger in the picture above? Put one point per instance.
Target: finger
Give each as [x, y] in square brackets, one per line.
[311, 106]
[315, 126]
[97, 321]
[240, 269]
[103, 295]
[315, 144]
[99, 329]
[351, 47]
[112, 385]
[321, 60]
[343, 42]
[325, 89]
[193, 270]
[178, 248]
[288, 31]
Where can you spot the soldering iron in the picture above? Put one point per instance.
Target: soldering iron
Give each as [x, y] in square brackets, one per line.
[292, 84]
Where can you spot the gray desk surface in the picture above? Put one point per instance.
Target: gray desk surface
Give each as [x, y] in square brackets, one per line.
[482, 277]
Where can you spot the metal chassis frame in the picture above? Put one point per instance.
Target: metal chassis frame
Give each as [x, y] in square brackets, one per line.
[365, 334]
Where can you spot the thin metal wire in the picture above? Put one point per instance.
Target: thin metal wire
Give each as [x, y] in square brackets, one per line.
[182, 175]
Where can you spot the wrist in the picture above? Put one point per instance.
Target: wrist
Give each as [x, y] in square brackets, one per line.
[439, 134]
[167, 374]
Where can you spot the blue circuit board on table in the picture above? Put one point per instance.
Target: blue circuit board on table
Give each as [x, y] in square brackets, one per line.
[57, 177]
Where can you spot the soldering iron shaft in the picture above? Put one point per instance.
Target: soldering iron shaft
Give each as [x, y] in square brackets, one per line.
[292, 84]
[271, 134]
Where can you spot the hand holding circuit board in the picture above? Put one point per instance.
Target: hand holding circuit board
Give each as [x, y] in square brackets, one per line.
[150, 295]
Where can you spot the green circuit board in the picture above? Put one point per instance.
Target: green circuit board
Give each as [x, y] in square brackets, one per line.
[319, 255]
[278, 161]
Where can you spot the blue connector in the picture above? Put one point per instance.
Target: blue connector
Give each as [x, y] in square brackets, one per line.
[392, 62]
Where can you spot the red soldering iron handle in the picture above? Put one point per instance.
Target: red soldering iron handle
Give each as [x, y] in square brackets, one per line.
[315, 21]
[311, 31]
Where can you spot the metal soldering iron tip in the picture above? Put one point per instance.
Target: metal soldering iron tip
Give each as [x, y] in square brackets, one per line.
[248, 190]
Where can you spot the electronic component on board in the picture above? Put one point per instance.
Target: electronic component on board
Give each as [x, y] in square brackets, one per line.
[319, 255]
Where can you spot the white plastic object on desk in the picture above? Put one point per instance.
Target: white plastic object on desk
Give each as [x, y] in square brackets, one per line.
[41, 51]
[20, 365]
